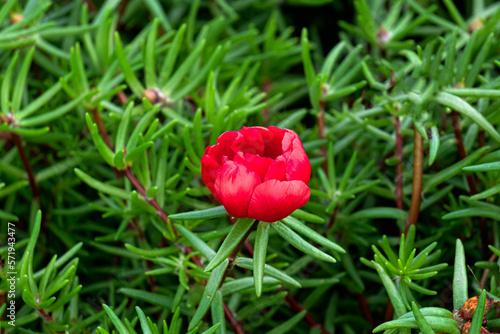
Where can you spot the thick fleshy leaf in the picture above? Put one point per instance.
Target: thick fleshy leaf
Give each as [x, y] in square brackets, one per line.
[274, 200]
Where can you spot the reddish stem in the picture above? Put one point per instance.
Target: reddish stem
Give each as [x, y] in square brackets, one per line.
[27, 167]
[484, 277]
[232, 320]
[365, 308]
[48, 318]
[416, 193]
[122, 97]
[3, 301]
[398, 192]
[101, 127]
[159, 210]
[297, 307]
[481, 138]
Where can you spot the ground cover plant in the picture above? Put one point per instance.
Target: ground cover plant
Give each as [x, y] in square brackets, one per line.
[115, 160]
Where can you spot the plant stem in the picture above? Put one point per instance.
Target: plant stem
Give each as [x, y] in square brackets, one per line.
[297, 307]
[462, 153]
[3, 301]
[232, 320]
[398, 192]
[101, 127]
[159, 210]
[365, 308]
[27, 166]
[484, 277]
[48, 318]
[416, 193]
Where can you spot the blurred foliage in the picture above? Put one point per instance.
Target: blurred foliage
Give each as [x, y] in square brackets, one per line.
[106, 108]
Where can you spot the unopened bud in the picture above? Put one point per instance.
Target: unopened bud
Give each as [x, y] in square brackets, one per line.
[15, 18]
[151, 95]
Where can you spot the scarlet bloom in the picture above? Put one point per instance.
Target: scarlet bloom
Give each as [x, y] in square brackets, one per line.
[256, 172]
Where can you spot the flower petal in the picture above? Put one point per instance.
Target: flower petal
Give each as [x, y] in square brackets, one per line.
[272, 139]
[277, 170]
[298, 166]
[274, 200]
[234, 185]
[223, 147]
[248, 140]
[210, 169]
[254, 162]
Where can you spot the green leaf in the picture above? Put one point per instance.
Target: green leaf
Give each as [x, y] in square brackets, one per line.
[196, 242]
[217, 309]
[56, 113]
[232, 240]
[149, 55]
[134, 83]
[121, 134]
[144, 322]
[452, 170]
[308, 217]
[115, 320]
[216, 212]
[102, 187]
[300, 227]
[268, 270]
[306, 58]
[392, 291]
[460, 286]
[6, 85]
[477, 318]
[487, 167]
[299, 243]
[148, 297]
[467, 110]
[289, 324]
[259, 256]
[436, 323]
[21, 80]
[433, 145]
[213, 284]
[101, 146]
[157, 10]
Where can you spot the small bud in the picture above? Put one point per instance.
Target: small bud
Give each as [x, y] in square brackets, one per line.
[151, 95]
[15, 18]
[478, 23]
[383, 36]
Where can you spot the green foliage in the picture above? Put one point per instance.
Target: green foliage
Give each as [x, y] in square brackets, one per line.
[106, 108]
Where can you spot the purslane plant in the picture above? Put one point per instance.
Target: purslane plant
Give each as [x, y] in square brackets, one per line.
[106, 117]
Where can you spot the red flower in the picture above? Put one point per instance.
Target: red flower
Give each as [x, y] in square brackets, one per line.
[258, 173]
